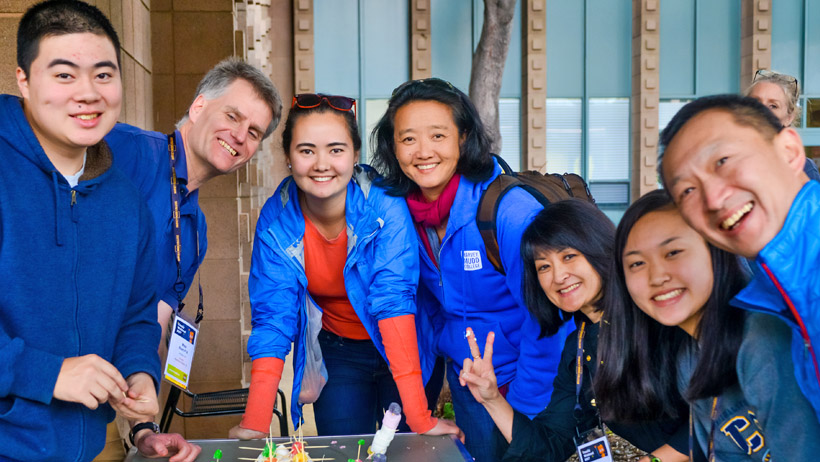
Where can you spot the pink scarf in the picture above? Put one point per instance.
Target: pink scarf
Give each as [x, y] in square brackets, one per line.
[432, 214]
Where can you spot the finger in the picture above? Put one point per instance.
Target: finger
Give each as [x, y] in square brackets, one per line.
[98, 392]
[461, 436]
[474, 351]
[88, 400]
[112, 373]
[467, 366]
[158, 446]
[192, 452]
[480, 382]
[488, 347]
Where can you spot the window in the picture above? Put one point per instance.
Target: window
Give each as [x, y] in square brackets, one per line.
[564, 135]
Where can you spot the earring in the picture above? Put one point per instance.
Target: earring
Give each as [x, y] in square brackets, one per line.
[289, 166]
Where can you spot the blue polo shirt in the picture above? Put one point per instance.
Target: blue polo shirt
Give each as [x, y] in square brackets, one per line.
[143, 157]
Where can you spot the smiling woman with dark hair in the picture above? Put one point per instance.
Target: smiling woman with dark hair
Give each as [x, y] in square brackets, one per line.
[432, 148]
[679, 336]
[334, 274]
[567, 253]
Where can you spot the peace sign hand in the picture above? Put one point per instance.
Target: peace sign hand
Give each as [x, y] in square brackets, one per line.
[477, 373]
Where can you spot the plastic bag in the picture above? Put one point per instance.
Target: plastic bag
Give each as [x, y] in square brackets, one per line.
[314, 377]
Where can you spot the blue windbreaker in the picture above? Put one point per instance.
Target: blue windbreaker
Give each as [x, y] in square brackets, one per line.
[469, 292]
[787, 284]
[381, 275]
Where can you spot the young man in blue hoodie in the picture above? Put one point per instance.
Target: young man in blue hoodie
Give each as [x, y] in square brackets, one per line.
[736, 174]
[78, 329]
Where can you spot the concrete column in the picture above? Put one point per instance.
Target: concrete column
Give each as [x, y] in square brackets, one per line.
[534, 85]
[420, 40]
[303, 52]
[755, 39]
[645, 95]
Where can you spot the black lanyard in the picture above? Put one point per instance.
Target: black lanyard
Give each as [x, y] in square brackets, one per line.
[713, 417]
[176, 200]
[579, 381]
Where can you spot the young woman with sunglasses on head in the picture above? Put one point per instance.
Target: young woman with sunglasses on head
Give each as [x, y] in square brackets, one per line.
[781, 94]
[734, 367]
[432, 149]
[567, 253]
[334, 272]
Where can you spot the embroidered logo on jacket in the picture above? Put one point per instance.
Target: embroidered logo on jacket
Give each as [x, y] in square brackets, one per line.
[472, 260]
[746, 434]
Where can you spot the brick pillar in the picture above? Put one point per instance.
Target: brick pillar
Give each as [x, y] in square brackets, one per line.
[303, 79]
[420, 40]
[645, 95]
[188, 38]
[534, 84]
[755, 39]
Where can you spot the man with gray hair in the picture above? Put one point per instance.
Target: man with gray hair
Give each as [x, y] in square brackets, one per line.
[235, 108]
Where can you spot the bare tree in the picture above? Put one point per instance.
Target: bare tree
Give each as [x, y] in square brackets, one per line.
[488, 64]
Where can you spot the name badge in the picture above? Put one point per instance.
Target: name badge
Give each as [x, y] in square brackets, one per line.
[597, 450]
[472, 260]
[181, 352]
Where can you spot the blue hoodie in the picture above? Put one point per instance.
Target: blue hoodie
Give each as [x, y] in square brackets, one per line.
[471, 293]
[77, 268]
[381, 274]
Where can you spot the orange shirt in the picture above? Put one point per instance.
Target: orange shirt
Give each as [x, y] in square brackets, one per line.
[324, 266]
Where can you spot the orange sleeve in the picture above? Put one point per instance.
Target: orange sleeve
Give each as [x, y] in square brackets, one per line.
[265, 376]
[402, 350]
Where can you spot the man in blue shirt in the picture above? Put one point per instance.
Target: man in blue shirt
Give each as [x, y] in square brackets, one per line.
[236, 107]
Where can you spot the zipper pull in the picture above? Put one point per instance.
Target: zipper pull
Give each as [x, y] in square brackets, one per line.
[73, 197]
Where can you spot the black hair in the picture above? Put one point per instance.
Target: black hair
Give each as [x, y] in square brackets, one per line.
[745, 111]
[59, 17]
[637, 377]
[571, 223]
[297, 113]
[475, 161]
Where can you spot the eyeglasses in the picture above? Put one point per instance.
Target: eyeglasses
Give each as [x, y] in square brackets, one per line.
[311, 100]
[433, 82]
[763, 74]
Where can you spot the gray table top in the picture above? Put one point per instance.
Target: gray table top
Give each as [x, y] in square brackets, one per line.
[406, 447]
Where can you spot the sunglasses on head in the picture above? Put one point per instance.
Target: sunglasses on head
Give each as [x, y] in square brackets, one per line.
[433, 82]
[311, 100]
[765, 73]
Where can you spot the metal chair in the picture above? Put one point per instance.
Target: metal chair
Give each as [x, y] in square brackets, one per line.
[216, 403]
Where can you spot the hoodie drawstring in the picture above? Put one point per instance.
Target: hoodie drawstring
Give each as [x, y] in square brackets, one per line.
[56, 208]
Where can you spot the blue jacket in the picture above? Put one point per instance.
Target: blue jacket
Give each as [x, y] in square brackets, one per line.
[786, 283]
[381, 275]
[143, 157]
[469, 292]
[77, 268]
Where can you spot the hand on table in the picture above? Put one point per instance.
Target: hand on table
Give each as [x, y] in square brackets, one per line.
[140, 401]
[241, 433]
[155, 445]
[90, 381]
[445, 427]
[477, 373]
